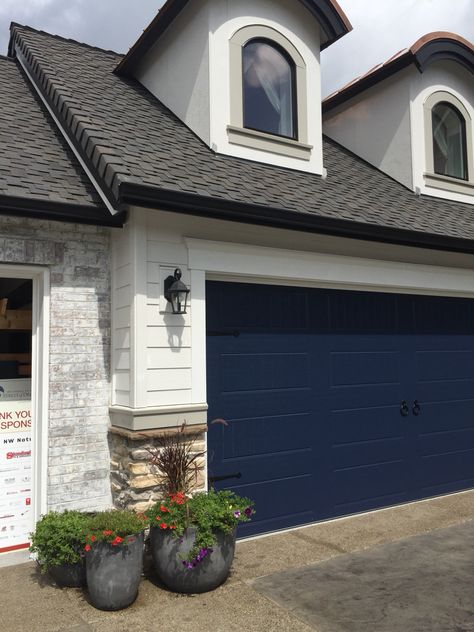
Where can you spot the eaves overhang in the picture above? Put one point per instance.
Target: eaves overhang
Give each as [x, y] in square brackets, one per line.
[59, 211]
[433, 47]
[331, 18]
[132, 194]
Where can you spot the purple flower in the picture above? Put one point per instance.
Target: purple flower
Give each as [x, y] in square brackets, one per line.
[237, 514]
[248, 512]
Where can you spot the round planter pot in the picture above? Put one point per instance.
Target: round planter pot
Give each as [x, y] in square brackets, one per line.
[113, 573]
[168, 552]
[69, 575]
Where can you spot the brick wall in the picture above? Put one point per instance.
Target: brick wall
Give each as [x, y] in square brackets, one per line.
[78, 258]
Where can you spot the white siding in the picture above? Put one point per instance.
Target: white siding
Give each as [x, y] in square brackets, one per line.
[168, 337]
[121, 317]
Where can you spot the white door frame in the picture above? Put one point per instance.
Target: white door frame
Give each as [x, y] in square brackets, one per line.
[39, 376]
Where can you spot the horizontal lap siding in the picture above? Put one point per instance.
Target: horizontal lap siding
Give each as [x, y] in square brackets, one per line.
[122, 301]
[168, 347]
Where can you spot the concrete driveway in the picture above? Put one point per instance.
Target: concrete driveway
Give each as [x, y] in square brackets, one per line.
[408, 568]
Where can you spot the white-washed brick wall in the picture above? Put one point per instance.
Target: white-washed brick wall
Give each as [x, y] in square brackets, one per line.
[79, 260]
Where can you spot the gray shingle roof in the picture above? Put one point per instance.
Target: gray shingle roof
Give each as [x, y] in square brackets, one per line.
[35, 162]
[131, 138]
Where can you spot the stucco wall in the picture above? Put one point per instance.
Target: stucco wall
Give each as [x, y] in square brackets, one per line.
[376, 126]
[78, 259]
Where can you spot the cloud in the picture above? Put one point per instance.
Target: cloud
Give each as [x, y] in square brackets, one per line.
[383, 28]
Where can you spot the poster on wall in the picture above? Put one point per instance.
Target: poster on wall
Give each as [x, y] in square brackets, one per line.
[16, 515]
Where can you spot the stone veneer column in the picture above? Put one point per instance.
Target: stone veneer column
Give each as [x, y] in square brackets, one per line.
[135, 484]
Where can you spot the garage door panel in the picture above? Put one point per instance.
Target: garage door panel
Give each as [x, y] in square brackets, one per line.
[369, 483]
[441, 365]
[366, 424]
[268, 435]
[263, 403]
[447, 441]
[368, 453]
[263, 371]
[451, 470]
[444, 417]
[364, 368]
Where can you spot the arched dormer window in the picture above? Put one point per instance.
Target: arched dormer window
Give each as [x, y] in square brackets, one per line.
[269, 89]
[268, 93]
[449, 141]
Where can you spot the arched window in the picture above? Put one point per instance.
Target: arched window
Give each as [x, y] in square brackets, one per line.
[269, 89]
[449, 141]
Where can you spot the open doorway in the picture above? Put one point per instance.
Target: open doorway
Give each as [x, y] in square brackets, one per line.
[16, 425]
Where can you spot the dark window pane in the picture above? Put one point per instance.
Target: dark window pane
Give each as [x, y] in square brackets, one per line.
[449, 141]
[268, 86]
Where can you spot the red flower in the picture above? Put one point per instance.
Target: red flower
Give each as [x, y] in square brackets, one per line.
[118, 540]
[179, 498]
[92, 538]
[87, 547]
[163, 525]
[158, 518]
[172, 526]
[107, 532]
[163, 509]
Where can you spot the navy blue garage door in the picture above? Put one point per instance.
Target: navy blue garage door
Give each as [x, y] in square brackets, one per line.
[337, 402]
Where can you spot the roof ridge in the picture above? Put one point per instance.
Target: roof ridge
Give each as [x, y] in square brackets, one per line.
[14, 25]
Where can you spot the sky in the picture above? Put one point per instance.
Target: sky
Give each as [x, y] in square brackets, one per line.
[381, 27]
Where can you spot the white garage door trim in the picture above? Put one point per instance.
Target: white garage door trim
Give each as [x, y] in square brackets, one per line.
[226, 261]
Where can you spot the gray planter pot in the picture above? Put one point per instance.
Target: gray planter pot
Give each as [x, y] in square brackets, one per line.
[69, 575]
[113, 573]
[168, 552]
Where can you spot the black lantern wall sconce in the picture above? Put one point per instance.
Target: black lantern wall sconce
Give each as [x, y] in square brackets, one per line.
[176, 292]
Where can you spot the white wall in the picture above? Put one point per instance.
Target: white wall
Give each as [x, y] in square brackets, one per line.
[176, 70]
[188, 70]
[376, 126]
[448, 77]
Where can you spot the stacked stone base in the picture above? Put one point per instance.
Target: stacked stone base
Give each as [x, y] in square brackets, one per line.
[136, 484]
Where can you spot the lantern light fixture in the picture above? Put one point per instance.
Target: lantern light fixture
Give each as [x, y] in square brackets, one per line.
[176, 292]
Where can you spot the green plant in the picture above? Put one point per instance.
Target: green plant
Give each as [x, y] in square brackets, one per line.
[57, 538]
[117, 527]
[207, 512]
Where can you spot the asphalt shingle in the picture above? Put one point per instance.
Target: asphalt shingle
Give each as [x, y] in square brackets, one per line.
[132, 138]
[35, 162]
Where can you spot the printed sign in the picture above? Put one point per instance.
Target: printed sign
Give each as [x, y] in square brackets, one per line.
[16, 516]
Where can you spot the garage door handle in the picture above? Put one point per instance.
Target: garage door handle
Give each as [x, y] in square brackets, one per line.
[404, 410]
[416, 408]
[214, 479]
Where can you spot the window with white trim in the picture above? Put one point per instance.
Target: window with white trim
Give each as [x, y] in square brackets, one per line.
[268, 93]
[448, 144]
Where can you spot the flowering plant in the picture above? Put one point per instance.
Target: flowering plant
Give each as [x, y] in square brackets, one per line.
[117, 528]
[206, 512]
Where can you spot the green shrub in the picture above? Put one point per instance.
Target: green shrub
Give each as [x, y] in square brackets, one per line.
[58, 538]
[115, 527]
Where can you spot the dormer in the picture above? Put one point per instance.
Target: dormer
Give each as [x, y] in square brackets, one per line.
[243, 75]
[412, 117]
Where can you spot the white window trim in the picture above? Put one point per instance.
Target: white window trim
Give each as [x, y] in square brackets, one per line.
[236, 132]
[437, 180]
